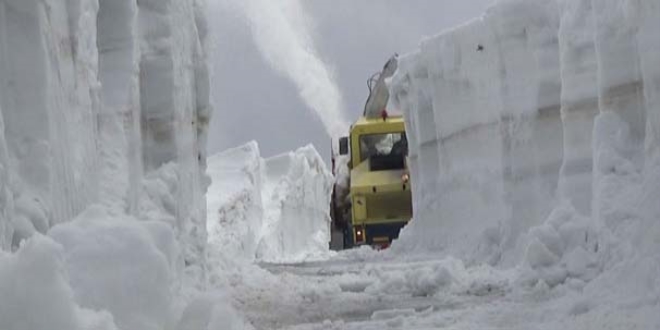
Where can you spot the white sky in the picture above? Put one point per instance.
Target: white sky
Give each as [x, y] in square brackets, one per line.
[354, 37]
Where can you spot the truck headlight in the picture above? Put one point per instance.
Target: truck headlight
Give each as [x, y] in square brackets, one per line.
[359, 235]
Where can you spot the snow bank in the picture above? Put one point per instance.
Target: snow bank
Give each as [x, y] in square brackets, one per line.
[121, 265]
[534, 142]
[501, 113]
[482, 104]
[104, 105]
[235, 208]
[36, 292]
[579, 102]
[275, 209]
[83, 117]
[297, 207]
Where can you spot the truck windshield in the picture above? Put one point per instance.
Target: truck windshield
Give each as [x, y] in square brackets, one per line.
[388, 144]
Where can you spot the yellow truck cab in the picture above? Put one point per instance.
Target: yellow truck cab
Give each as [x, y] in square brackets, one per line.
[379, 194]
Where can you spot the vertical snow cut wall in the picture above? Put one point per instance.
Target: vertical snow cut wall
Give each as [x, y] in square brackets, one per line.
[274, 210]
[104, 109]
[103, 102]
[536, 110]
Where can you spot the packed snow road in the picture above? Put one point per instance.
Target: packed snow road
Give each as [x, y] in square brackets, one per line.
[364, 290]
[354, 292]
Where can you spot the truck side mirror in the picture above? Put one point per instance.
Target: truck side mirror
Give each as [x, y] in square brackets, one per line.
[343, 145]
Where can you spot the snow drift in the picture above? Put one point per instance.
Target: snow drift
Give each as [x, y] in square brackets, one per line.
[274, 209]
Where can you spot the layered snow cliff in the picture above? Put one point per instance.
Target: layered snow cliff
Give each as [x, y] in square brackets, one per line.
[104, 107]
[274, 210]
[101, 102]
[533, 137]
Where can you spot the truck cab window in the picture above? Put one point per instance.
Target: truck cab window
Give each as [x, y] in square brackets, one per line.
[393, 146]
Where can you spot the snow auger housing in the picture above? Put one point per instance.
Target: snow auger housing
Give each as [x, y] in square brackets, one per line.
[376, 202]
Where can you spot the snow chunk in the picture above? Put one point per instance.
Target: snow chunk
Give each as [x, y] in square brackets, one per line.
[538, 255]
[36, 293]
[392, 314]
[416, 280]
[566, 246]
[121, 265]
[211, 312]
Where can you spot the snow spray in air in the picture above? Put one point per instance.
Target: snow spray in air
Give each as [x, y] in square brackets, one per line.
[281, 31]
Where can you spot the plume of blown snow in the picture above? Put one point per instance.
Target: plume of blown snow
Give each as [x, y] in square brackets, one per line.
[281, 31]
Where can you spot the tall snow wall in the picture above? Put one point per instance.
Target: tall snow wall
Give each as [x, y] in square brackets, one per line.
[103, 102]
[275, 209]
[534, 110]
[297, 192]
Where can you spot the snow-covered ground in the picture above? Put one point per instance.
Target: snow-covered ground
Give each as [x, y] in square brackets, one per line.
[365, 291]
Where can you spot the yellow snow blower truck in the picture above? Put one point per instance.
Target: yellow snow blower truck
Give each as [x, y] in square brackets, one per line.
[372, 199]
